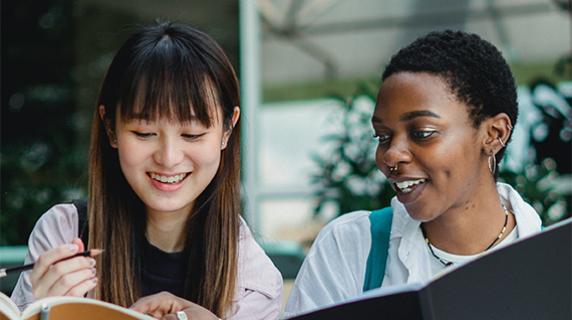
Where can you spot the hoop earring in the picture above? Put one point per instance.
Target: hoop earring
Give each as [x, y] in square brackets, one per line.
[492, 163]
[501, 143]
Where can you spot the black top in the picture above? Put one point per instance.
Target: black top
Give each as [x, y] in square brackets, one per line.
[161, 271]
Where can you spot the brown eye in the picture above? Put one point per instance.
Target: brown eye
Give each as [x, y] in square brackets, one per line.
[142, 134]
[422, 134]
[382, 138]
[192, 137]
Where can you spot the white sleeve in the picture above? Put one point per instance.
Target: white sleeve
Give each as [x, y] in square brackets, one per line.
[334, 269]
[59, 225]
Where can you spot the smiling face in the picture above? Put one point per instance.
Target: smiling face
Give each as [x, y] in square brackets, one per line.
[427, 133]
[168, 164]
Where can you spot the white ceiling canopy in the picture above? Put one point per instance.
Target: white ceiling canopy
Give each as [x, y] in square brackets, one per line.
[329, 39]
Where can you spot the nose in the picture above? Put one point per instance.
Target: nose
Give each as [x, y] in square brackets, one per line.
[394, 155]
[168, 153]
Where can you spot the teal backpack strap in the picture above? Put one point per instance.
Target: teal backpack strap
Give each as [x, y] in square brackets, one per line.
[380, 221]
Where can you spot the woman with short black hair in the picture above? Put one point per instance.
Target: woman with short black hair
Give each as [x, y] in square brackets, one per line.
[444, 114]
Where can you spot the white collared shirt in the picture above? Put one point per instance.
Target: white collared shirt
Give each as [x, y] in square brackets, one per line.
[334, 269]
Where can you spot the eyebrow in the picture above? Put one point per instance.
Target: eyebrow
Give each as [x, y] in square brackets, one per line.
[410, 116]
[420, 113]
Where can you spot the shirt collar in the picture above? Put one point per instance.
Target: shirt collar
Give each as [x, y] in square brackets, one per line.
[411, 251]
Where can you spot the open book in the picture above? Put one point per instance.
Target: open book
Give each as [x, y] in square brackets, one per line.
[528, 279]
[67, 308]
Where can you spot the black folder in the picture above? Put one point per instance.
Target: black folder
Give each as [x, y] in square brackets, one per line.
[528, 279]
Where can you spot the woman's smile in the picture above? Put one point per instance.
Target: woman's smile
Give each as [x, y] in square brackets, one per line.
[166, 182]
[167, 163]
[416, 121]
[408, 190]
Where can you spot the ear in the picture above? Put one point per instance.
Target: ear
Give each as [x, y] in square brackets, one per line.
[108, 128]
[233, 121]
[497, 130]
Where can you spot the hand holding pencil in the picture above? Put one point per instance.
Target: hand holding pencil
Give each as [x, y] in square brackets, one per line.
[64, 271]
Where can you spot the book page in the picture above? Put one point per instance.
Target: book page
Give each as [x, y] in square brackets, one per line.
[8, 309]
[64, 308]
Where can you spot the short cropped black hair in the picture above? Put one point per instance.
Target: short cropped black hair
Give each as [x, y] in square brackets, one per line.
[474, 69]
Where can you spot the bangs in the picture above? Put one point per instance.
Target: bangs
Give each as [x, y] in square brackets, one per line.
[169, 82]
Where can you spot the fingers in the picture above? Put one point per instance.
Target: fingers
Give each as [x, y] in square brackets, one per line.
[74, 283]
[53, 276]
[64, 275]
[192, 312]
[165, 305]
[79, 243]
[174, 316]
[155, 304]
[160, 304]
[82, 288]
[157, 314]
[142, 305]
[49, 258]
[146, 305]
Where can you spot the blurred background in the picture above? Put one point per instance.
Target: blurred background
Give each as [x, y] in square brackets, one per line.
[309, 72]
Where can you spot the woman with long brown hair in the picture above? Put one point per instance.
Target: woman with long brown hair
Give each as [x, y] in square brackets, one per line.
[164, 196]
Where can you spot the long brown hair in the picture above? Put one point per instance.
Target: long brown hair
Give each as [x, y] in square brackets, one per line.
[166, 70]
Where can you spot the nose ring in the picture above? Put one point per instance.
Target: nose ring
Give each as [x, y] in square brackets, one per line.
[393, 169]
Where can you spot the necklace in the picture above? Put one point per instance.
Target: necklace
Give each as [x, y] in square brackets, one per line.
[448, 263]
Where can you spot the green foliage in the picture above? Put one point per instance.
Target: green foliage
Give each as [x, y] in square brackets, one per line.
[349, 178]
[47, 104]
[539, 184]
[41, 160]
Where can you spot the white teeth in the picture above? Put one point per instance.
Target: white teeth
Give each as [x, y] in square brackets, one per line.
[405, 186]
[169, 179]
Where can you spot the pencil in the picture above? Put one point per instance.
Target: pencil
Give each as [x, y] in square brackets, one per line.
[88, 253]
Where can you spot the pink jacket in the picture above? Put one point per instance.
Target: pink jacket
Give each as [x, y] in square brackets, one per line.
[259, 283]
